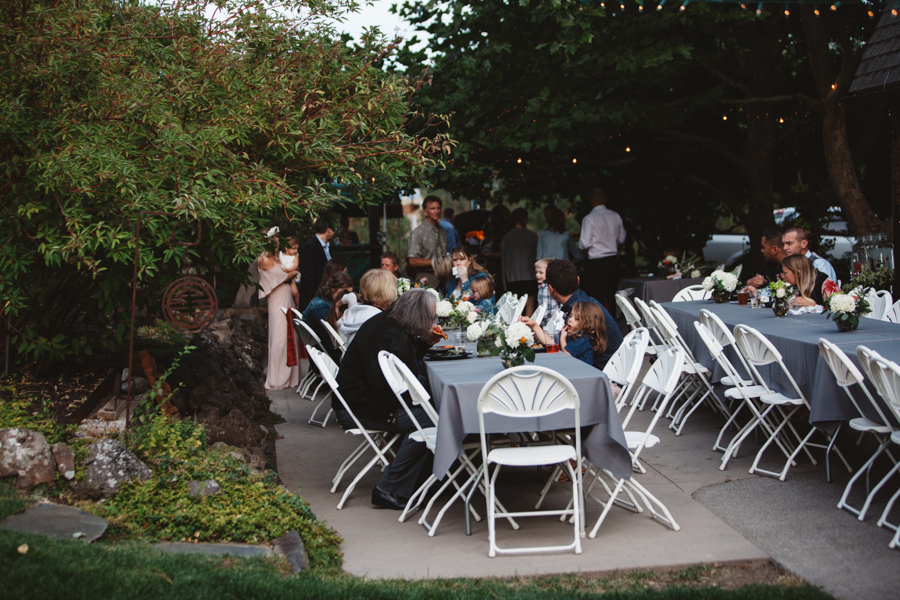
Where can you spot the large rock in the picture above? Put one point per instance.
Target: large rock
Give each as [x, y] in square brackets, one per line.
[26, 454]
[233, 427]
[110, 465]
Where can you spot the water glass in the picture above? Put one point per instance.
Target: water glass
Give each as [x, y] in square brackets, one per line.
[554, 347]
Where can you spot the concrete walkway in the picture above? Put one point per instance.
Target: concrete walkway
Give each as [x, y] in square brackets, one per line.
[377, 546]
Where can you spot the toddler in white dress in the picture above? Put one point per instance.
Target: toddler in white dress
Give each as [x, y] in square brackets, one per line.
[290, 261]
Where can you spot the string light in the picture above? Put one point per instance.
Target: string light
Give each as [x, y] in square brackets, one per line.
[894, 11]
[628, 149]
[724, 117]
[871, 14]
[787, 13]
[759, 9]
[781, 120]
[833, 7]
[660, 5]
[574, 161]
[683, 6]
[816, 11]
[834, 86]
[519, 161]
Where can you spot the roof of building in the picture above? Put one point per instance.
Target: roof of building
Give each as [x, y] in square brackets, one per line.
[879, 68]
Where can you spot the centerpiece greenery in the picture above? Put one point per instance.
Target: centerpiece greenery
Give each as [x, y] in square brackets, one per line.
[781, 297]
[845, 309]
[721, 284]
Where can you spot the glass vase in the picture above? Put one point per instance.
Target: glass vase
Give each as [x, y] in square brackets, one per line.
[721, 296]
[485, 345]
[848, 324]
[780, 308]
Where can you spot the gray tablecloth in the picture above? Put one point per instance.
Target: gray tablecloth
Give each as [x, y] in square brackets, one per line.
[661, 290]
[455, 386]
[796, 338]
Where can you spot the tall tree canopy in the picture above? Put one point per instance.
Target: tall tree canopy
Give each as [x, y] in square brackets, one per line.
[219, 112]
[686, 114]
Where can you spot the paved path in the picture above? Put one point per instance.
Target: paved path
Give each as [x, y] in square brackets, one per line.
[677, 469]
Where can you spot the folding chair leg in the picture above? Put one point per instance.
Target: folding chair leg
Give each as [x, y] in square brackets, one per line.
[865, 469]
[345, 466]
[312, 417]
[606, 508]
[871, 496]
[665, 516]
[883, 522]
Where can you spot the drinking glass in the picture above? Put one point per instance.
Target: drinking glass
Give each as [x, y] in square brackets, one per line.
[554, 347]
[743, 297]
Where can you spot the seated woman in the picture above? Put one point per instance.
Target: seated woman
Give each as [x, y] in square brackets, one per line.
[813, 286]
[318, 309]
[467, 271]
[482, 289]
[443, 270]
[377, 291]
[584, 333]
[404, 330]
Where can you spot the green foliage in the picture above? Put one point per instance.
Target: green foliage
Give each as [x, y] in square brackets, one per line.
[880, 279]
[249, 508]
[233, 122]
[161, 333]
[20, 412]
[11, 502]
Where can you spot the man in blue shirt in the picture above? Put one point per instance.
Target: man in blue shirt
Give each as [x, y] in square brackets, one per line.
[562, 280]
[447, 224]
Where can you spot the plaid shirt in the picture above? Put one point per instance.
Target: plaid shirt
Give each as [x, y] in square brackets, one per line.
[544, 299]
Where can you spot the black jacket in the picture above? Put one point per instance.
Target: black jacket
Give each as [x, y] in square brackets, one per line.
[360, 380]
[312, 266]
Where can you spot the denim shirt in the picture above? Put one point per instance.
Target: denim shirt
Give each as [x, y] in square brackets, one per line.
[580, 347]
[613, 335]
[316, 310]
[486, 306]
[465, 288]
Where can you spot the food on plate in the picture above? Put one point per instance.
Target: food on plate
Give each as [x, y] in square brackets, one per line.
[436, 330]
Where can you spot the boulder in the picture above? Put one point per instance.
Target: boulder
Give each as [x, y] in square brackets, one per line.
[26, 454]
[255, 458]
[204, 488]
[233, 427]
[65, 460]
[110, 465]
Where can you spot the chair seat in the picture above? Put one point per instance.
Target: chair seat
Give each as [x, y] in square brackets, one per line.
[532, 455]
[777, 398]
[633, 439]
[729, 382]
[695, 367]
[754, 391]
[358, 431]
[430, 438]
[867, 424]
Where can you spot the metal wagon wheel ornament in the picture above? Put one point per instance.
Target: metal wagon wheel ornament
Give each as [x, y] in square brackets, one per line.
[190, 303]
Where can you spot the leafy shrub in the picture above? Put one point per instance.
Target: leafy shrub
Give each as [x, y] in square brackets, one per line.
[250, 507]
[880, 279]
[161, 333]
[19, 412]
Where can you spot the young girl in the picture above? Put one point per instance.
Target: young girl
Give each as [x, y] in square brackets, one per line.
[483, 295]
[584, 333]
[467, 271]
[289, 261]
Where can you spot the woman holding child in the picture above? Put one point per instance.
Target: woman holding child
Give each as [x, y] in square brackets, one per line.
[275, 284]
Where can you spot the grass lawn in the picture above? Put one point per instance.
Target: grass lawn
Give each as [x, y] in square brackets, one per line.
[72, 570]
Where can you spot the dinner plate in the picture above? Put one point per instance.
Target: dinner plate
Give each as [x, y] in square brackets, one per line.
[439, 349]
[436, 357]
[540, 349]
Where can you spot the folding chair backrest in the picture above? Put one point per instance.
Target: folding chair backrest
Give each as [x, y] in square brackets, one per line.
[328, 369]
[538, 315]
[758, 351]
[893, 314]
[661, 313]
[890, 384]
[401, 380]
[845, 372]
[690, 293]
[649, 319]
[520, 308]
[528, 391]
[880, 302]
[307, 335]
[717, 327]
[873, 365]
[662, 378]
[336, 338]
[866, 359]
[631, 315]
[625, 365]
[557, 321]
[717, 351]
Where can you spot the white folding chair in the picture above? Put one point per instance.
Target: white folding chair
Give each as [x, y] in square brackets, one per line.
[520, 308]
[657, 342]
[557, 321]
[847, 375]
[632, 318]
[375, 440]
[889, 388]
[893, 315]
[309, 338]
[722, 334]
[691, 293]
[336, 338]
[505, 305]
[880, 302]
[529, 392]
[759, 351]
[746, 391]
[538, 315]
[662, 379]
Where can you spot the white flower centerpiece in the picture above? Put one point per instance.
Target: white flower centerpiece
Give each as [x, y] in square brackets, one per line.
[781, 297]
[721, 284]
[845, 309]
[513, 344]
[403, 286]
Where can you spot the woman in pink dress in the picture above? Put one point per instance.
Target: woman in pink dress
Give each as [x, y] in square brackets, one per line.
[276, 289]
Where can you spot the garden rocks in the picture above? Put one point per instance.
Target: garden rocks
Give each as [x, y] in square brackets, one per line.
[65, 460]
[233, 428]
[26, 454]
[255, 458]
[204, 488]
[110, 464]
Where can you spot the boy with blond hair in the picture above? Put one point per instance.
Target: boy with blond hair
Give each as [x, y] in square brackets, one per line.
[543, 295]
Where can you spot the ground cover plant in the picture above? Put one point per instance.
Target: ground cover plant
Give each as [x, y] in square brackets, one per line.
[74, 570]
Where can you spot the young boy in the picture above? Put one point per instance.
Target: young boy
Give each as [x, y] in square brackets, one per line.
[543, 296]
[290, 261]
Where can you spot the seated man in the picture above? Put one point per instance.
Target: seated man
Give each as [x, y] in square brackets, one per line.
[773, 251]
[562, 281]
[391, 262]
[796, 241]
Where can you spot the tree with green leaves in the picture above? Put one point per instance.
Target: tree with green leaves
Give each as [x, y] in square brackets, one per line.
[222, 113]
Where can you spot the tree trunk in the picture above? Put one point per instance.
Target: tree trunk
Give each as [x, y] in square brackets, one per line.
[830, 88]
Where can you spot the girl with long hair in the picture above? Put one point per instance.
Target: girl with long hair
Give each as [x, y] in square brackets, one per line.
[584, 333]
[467, 270]
[812, 286]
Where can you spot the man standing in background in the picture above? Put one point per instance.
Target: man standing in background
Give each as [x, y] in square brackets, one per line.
[447, 224]
[601, 233]
[518, 251]
[427, 242]
[313, 256]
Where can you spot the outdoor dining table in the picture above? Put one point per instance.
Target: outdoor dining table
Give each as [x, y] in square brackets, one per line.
[652, 288]
[455, 386]
[796, 338]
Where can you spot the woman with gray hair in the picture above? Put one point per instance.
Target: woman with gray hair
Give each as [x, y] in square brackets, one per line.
[404, 330]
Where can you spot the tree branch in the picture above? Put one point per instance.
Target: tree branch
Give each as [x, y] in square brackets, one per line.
[736, 160]
[809, 101]
[736, 209]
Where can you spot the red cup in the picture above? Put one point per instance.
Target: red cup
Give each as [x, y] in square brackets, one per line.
[743, 298]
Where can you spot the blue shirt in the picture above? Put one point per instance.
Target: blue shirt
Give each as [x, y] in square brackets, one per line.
[452, 236]
[613, 335]
[466, 286]
[317, 310]
[580, 348]
[486, 306]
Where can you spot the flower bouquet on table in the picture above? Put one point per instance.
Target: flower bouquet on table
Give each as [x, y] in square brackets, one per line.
[514, 344]
[690, 266]
[721, 284]
[484, 332]
[668, 265]
[403, 286]
[781, 297]
[846, 309]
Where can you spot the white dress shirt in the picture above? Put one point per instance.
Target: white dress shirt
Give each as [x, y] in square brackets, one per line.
[325, 246]
[822, 265]
[602, 232]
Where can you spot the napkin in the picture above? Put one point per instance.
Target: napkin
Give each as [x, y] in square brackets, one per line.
[807, 310]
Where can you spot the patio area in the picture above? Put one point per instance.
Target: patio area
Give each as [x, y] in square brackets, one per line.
[725, 516]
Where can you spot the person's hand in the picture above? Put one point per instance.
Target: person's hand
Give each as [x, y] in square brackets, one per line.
[562, 338]
[801, 301]
[751, 289]
[528, 322]
[462, 273]
[437, 334]
[756, 281]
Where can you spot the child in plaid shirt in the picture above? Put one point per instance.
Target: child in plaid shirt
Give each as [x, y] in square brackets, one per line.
[543, 297]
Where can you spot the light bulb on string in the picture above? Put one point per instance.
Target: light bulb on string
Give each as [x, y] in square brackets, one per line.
[724, 117]
[519, 161]
[627, 148]
[684, 6]
[660, 5]
[816, 11]
[759, 9]
[574, 161]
